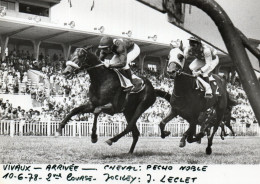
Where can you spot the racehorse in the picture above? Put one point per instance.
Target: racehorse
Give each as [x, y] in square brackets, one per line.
[103, 90]
[210, 115]
[188, 102]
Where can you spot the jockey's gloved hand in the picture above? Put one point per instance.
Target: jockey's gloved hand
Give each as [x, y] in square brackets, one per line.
[197, 73]
[107, 63]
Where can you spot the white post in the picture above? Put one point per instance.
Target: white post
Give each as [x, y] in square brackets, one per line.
[21, 123]
[12, 128]
[48, 127]
[74, 128]
[141, 128]
[120, 126]
[79, 128]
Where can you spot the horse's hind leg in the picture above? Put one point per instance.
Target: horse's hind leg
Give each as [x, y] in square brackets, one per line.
[230, 128]
[163, 123]
[220, 116]
[210, 139]
[137, 113]
[136, 134]
[94, 137]
[223, 132]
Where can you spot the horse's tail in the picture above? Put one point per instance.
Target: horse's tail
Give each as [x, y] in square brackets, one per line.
[163, 94]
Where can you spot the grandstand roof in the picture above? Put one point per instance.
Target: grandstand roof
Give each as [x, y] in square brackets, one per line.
[59, 35]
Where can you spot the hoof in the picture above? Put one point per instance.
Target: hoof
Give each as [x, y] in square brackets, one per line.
[199, 141]
[208, 150]
[97, 110]
[167, 133]
[94, 140]
[109, 142]
[222, 138]
[161, 125]
[182, 144]
[58, 133]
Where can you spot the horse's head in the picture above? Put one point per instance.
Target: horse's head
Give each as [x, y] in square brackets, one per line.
[176, 62]
[81, 59]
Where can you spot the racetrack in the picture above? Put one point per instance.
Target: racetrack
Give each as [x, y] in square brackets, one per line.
[42, 150]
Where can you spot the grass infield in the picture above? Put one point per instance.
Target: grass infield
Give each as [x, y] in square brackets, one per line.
[44, 150]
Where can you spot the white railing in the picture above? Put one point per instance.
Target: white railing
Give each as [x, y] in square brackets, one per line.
[84, 128]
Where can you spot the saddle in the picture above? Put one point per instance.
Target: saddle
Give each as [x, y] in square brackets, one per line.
[213, 84]
[135, 86]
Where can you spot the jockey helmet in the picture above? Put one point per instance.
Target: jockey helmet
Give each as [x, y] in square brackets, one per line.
[195, 39]
[105, 42]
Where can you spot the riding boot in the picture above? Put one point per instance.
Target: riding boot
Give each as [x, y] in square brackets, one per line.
[207, 87]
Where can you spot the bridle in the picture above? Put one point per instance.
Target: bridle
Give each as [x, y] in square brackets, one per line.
[85, 66]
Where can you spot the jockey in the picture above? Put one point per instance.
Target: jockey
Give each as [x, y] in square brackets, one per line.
[205, 62]
[124, 52]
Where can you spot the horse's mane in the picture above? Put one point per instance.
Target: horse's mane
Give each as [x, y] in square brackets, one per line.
[90, 51]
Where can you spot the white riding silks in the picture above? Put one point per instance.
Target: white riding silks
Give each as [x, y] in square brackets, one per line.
[132, 55]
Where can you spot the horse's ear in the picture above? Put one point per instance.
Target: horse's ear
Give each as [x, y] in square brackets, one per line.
[181, 46]
[89, 48]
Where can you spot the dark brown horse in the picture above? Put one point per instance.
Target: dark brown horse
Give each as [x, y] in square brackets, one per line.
[188, 102]
[106, 95]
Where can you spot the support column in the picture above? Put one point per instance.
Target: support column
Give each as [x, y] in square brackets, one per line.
[66, 51]
[36, 48]
[163, 65]
[141, 62]
[4, 43]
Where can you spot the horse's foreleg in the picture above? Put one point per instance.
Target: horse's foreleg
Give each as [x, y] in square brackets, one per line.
[192, 132]
[189, 133]
[94, 137]
[163, 123]
[131, 123]
[87, 108]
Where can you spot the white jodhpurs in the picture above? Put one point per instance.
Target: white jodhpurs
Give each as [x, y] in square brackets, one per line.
[206, 86]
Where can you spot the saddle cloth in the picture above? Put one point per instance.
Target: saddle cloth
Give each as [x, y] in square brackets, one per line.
[213, 84]
[137, 85]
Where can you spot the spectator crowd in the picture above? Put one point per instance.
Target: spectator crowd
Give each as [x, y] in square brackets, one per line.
[57, 95]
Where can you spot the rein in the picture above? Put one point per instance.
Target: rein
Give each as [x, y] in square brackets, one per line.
[186, 74]
[89, 68]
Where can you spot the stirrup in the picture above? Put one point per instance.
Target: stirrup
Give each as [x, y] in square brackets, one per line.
[208, 95]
